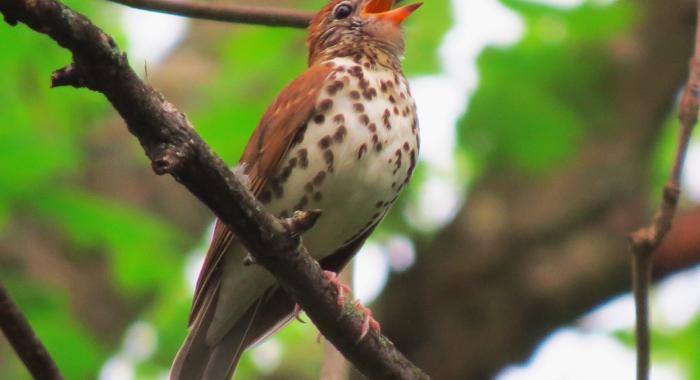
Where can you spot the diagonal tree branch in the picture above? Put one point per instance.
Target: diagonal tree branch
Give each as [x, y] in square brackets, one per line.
[175, 148]
[645, 241]
[22, 338]
[224, 12]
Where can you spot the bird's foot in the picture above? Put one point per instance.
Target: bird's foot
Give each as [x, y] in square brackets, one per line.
[341, 288]
[368, 321]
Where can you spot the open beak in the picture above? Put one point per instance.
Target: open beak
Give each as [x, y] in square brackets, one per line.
[381, 10]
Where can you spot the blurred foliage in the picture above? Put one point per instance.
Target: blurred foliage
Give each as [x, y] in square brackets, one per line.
[526, 115]
[529, 110]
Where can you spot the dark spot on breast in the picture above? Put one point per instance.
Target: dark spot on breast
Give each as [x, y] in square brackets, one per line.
[406, 146]
[328, 157]
[324, 142]
[396, 110]
[334, 87]
[303, 158]
[358, 107]
[317, 196]
[391, 99]
[372, 127]
[383, 86]
[339, 118]
[319, 118]
[398, 161]
[366, 65]
[284, 174]
[369, 93]
[309, 187]
[299, 136]
[355, 71]
[411, 166]
[320, 176]
[325, 105]
[339, 134]
[378, 147]
[355, 94]
[364, 84]
[361, 151]
[364, 119]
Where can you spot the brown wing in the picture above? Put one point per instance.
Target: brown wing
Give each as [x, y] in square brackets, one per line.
[269, 143]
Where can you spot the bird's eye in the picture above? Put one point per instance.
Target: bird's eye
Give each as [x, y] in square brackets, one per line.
[342, 11]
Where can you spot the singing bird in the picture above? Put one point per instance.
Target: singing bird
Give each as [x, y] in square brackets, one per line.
[343, 138]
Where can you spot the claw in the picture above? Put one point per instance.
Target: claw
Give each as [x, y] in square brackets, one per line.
[368, 322]
[297, 312]
[341, 288]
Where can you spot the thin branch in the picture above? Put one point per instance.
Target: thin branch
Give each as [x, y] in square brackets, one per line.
[224, 12]
[646, 240]
[24, 341]
[176, 149]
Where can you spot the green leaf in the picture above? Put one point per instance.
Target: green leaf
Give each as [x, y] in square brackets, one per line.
[142, 247]
[424, 31]
[538, 99]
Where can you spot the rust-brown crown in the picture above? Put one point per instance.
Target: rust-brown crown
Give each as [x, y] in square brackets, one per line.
[343, 27]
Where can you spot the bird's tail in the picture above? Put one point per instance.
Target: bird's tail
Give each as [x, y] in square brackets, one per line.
[199, 360]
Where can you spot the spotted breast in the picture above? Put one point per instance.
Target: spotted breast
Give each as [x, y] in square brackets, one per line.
[354, 156]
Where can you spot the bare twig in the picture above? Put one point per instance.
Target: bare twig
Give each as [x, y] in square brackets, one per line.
[224, 12]
[25, 343]
[644, 241]
[176, 149]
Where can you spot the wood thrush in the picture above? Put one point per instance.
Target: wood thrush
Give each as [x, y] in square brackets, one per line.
[342, 137]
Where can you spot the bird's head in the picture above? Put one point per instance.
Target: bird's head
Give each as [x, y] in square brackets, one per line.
[343, 27]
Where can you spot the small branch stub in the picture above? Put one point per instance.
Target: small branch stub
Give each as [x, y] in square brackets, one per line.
[300, 222]
[168, 160]
[67, 76]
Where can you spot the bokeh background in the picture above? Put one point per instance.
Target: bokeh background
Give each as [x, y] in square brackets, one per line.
[547, 126]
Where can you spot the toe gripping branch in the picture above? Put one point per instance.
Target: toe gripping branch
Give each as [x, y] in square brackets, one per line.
[368, 321]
